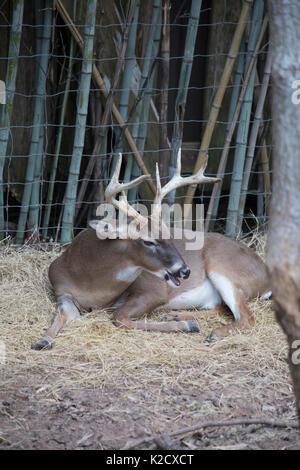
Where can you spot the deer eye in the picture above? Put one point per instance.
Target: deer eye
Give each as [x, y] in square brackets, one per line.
[148, 243]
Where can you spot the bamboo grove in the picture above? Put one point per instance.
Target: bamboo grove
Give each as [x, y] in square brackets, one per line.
[82, 116]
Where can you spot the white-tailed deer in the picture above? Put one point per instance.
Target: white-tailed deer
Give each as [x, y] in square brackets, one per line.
[138, 275]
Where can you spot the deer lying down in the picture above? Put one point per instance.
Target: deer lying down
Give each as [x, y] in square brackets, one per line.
[137, 276]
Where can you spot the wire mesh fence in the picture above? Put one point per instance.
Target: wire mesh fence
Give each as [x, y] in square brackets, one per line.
[85, 80]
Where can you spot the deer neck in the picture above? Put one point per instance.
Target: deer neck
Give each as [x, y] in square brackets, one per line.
[128, 273]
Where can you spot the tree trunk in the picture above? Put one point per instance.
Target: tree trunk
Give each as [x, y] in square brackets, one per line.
[284, 232]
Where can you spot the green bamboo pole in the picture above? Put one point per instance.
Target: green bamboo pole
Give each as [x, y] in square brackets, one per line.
[33, 215]
[97, 193]
[127, 77]
[148, 60]
[163, 76]
[10, 82]
[218, 98]
[233, 104]
[38, 110]
[129, 34]
[229, 136]
[119, 65]
[132, 170]
[140, 140]
[243, 127]
[184, 80]
[58, 143]
[82, 108]
[266, 172]
[155, 40]
[100, 83]
[253, 138]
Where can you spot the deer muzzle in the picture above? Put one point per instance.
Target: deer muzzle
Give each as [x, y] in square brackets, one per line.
[180, 274]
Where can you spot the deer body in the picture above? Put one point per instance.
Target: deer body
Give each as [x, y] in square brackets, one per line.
[135, 276]
[223, 272]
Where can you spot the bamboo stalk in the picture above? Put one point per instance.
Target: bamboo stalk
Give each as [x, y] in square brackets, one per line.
[93, 195]
[233, 103]
[38, 110]
[58, 140]
[35, 207]
[126, 79]
[130, 25]
[136, 109]
[266, 173]
[164, 67]
[234, 121]
[82, 108]
[140, 129]
[34, 198]
[253, 139]
[95, 153]
[120, 62]
[259, 199]
[144, 74]
[184, 80]
[217, 102]
[7, 108]
[243, 126]
[100, 83]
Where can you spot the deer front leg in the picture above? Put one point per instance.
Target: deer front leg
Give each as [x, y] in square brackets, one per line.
[67, 310]
[135, 307]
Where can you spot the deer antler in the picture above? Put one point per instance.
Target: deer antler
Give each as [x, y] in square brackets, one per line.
[116, 187]
[177, 181]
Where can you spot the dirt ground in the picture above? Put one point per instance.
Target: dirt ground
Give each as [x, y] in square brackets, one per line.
[103, 388]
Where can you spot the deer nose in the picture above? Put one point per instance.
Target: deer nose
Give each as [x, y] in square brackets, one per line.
[185, 272]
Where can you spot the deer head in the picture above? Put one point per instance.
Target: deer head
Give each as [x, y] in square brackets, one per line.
[154, 254]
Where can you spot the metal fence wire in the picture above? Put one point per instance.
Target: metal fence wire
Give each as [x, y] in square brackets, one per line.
[82, 81]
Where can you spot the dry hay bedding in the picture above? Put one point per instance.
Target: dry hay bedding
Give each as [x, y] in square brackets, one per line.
[166, 380]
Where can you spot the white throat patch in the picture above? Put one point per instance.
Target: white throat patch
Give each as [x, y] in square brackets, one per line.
[129, 274]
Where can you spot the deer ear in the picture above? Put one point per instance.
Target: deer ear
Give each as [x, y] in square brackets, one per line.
[104, 228]
[93, 224]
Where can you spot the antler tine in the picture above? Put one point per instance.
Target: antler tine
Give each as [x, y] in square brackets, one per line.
[177, 181]
[158, 184]
[178, 163]
[116, 174]
[199, 176]
[115, 187]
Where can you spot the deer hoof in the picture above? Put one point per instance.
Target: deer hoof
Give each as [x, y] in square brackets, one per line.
[42, 344]
[192, 326]
[213, 337]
